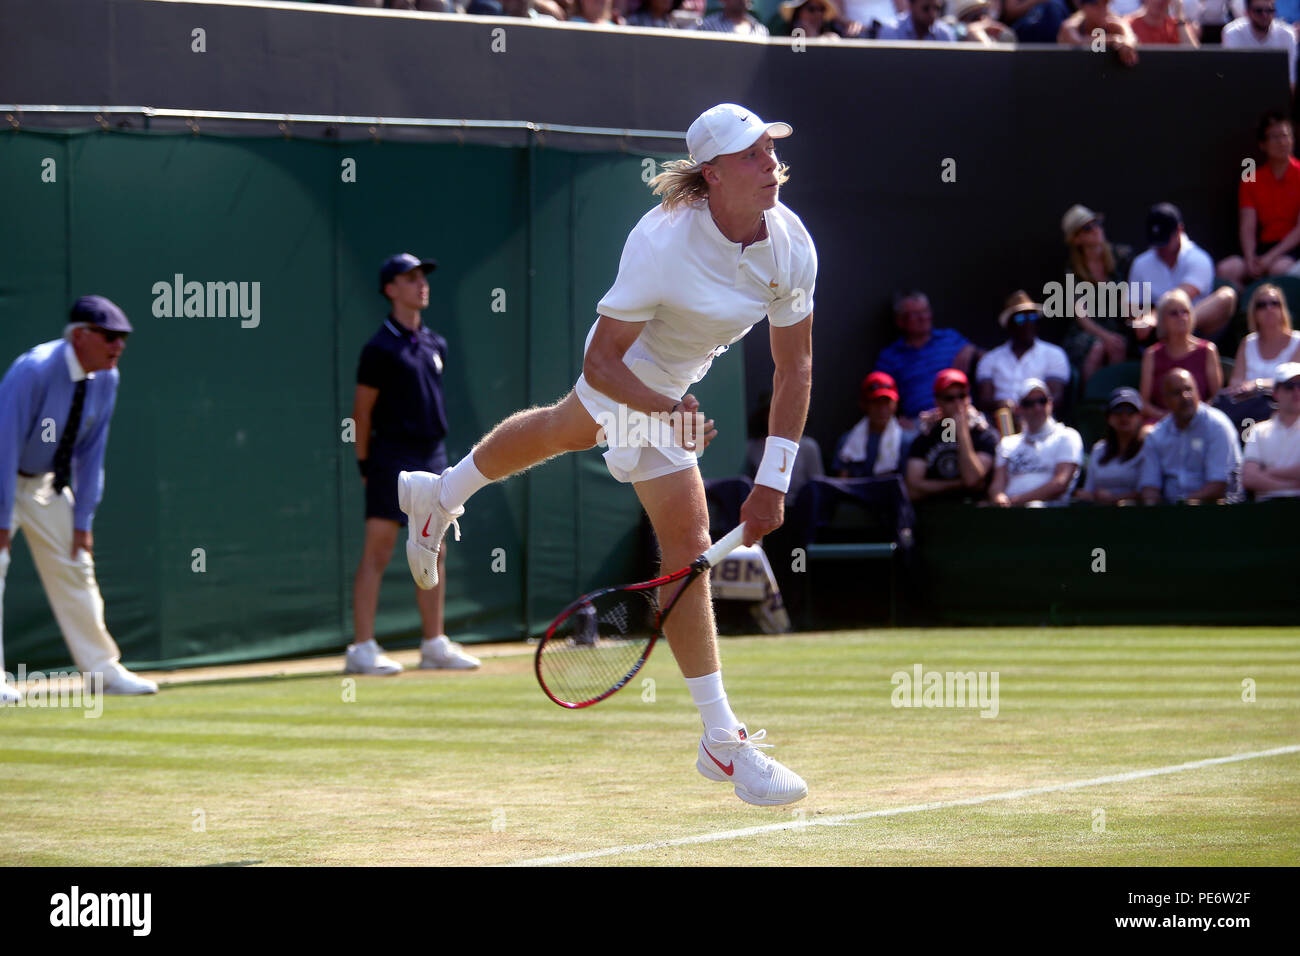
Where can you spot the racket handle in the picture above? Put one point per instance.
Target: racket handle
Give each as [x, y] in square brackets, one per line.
[724, 546]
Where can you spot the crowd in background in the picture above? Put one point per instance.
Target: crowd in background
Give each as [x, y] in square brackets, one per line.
[1127, 24]
[1182, 423]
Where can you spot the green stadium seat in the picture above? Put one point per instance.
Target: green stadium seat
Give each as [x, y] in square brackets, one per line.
[1090, 418]
[1098, 388]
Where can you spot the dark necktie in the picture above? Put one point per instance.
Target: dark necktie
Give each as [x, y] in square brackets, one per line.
[63, 454]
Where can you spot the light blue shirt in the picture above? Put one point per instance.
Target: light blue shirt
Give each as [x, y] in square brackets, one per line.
[905, 30]
[35, 398]
[1181, 460]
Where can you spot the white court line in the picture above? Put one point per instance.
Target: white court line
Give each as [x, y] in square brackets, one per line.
[897, 811]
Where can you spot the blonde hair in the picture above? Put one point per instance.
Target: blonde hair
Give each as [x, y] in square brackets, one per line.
[682, 183]
[1169, 298]
[1266, 288]
[1079, 265]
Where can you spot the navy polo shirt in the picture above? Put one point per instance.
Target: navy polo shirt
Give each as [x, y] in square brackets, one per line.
[407, 369]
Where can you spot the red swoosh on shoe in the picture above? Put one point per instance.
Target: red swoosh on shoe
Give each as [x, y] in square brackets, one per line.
[728, 769]
[426, 526]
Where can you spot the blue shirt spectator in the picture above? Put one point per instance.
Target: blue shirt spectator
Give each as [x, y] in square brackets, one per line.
[1188, 459]
[920, 353]
[35, 398]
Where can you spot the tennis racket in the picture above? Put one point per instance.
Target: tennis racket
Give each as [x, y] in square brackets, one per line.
[598, 643]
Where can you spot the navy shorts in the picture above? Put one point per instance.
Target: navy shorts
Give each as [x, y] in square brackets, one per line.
[385, 461]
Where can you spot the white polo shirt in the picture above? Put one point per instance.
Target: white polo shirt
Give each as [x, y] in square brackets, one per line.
[1043, 360]
[1273, 445]
[1239, 35]
[1193, 267]
[698, 293]
[1031, 460]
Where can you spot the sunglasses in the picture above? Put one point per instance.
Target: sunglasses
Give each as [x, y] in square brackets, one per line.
[1266, 303]
[108, 335]
[953, 396]
[1263, 10]
[1033, 402]
[1291, 384]
[1020, 318]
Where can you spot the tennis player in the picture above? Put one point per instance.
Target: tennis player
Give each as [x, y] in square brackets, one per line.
[717, 254]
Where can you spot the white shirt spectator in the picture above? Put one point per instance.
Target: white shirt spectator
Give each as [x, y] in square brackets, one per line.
[1238, 35]
[1193, 267]
[1273, 445]
[1258, 367]
[1031, 459]
[1008, 373]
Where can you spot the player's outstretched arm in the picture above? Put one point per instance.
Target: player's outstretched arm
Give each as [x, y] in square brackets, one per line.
[764, 509]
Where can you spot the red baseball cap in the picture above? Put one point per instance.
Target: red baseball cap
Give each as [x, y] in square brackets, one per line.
[949, 376]
[879, 385]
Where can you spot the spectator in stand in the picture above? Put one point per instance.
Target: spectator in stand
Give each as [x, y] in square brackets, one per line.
[1001, 373]
[1271, 342]
[1035, 21]
[1040, 463]
[533, 9]
[920, 23]
[657, 13]
[872, 15]
[1268, 208]
[1271, 467]
[1174, 261]
[876, 445]
[1260, 30]
[1177, 348]
[976, 21]
[484, 8]
[734, 17]
[1164, 23]
[1093, 15]
[954, 457]
[1193, 453]
[1092, 341]
[1115, 466]
[920, 352]
[597, 12]
[818, 19]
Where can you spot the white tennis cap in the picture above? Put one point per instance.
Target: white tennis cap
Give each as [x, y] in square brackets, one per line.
[728, 128]
[1286, 371]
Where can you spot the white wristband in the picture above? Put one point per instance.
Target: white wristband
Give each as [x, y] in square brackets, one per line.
[778, 463]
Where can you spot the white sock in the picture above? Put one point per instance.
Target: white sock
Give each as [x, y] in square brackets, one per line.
[442, 642]
[711, 699]
[459, 482]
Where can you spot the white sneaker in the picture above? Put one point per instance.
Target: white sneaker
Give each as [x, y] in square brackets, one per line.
[427, 522]
[369, 658]
[9, 695]
[119, 680]
[442, 653]
[735, 757]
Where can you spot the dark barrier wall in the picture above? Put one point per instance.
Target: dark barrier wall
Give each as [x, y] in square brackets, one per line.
[1030, 131]
[1173, 564]
[232, 517]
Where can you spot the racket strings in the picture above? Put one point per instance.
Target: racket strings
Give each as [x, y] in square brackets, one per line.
[597, 648]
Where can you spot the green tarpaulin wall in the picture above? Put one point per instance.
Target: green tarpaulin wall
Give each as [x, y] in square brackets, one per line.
[229, 439]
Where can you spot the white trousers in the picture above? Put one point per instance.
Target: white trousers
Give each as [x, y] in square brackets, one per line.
[46, 520]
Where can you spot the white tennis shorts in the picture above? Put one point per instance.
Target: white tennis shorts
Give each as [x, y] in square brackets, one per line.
[639, 448]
